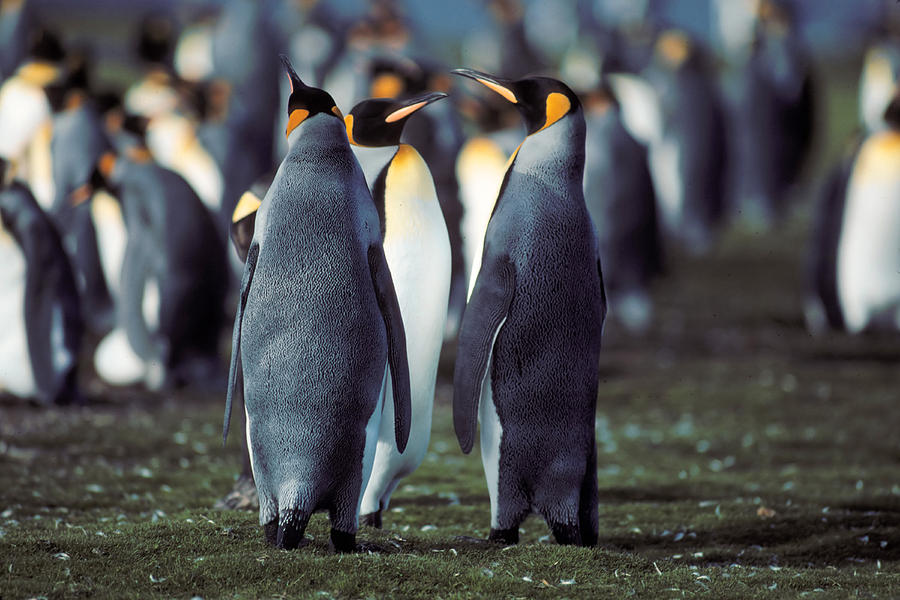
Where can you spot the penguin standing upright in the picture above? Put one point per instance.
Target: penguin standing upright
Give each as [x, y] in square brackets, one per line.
[170, 305]
[417, 248]
[689, 159]
[868, 251]
[316, 330]
[620, 198]
[527, 363]
[78, 142]
[42, 320]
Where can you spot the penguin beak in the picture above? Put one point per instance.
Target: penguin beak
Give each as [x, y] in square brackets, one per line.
[504, 87]
[408, 107]
[292, 74]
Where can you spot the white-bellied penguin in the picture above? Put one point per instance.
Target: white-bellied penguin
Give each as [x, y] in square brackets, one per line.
[527, 362]
[417, 247]
[868, 250]
[42, 328]
[316, 328]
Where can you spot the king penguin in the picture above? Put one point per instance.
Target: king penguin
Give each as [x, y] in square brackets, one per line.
[527, 362]
[317, 327]
[417, 247]
[868, 251]
[39, 302]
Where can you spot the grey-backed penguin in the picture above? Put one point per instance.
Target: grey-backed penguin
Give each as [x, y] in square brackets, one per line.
[527, 363]
[42, 327]
[868, 250]
[619, 193]
[316, 329]
[417, 247]
[173, 278]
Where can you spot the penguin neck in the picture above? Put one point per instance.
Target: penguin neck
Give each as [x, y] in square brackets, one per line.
[401, 191]
[555, 153]
[322, 131]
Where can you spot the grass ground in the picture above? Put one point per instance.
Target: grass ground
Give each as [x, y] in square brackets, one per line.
[738, 458]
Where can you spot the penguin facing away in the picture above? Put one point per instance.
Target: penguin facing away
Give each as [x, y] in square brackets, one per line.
[868, 251]
[527, 363]
[173, 278]
[417, 248]
[316, 329]
[42, 319]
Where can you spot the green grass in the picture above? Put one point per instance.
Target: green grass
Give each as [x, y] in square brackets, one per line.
[727, 412]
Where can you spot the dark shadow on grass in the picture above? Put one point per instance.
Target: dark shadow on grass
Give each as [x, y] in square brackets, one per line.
[664, 493]
[798, 542]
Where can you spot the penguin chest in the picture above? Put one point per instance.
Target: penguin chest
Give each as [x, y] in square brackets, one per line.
[16, 375]
[112, 238]
[869, 249]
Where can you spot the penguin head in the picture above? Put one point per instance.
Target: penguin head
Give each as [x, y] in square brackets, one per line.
[542, 101]
[306, 101]
[892, 112]
[379, 121]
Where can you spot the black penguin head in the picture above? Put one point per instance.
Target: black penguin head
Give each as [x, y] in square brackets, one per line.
[379, 121]
[541, 100]
[306, 101]
[892, 112]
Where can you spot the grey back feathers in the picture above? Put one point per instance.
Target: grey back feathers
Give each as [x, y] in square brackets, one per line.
[316, 326]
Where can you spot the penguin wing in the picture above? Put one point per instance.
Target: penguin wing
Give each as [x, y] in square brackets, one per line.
[236, 370]
[485, 313]
[135, 270]
[38, 314]
[396, 338]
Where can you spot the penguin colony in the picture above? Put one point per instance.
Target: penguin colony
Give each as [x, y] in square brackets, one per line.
[384, 232]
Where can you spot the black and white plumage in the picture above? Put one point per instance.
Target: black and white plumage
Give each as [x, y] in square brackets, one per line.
[317, 327]
[527, 363]
[42, 327]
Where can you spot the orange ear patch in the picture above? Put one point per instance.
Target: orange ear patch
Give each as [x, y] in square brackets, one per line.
[558, 105]
[348, 123]
[107, 164]
[386, 85]
[296, 117]
[404, 112]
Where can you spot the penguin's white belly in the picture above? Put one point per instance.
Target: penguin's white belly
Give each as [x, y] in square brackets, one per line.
[173, 142]
[491, 434]
[868, 269]
[664, 162]
[373, 435]
[112, 238]
[480, 169]
[150, 306]
[23, 109]
[420, 268]
[116, 362]
[16, 376]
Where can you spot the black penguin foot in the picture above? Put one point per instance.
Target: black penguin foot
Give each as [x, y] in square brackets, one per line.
[270, 530]
[566, 535]
[372, 519]
[343, 542]
[291, 527]
[241, 497]
[507, 537]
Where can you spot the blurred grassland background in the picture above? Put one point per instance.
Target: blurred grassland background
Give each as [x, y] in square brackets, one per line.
[739, 458]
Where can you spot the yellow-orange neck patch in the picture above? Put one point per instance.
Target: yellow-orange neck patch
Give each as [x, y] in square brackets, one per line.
[247, 205]
[348, 123]
[107, 164]
[296, 117]
[558, 105]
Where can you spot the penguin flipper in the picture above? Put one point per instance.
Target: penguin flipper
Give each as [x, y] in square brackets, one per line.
[235, 371]
[485, 313]
[396, 338]
[135, 271]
